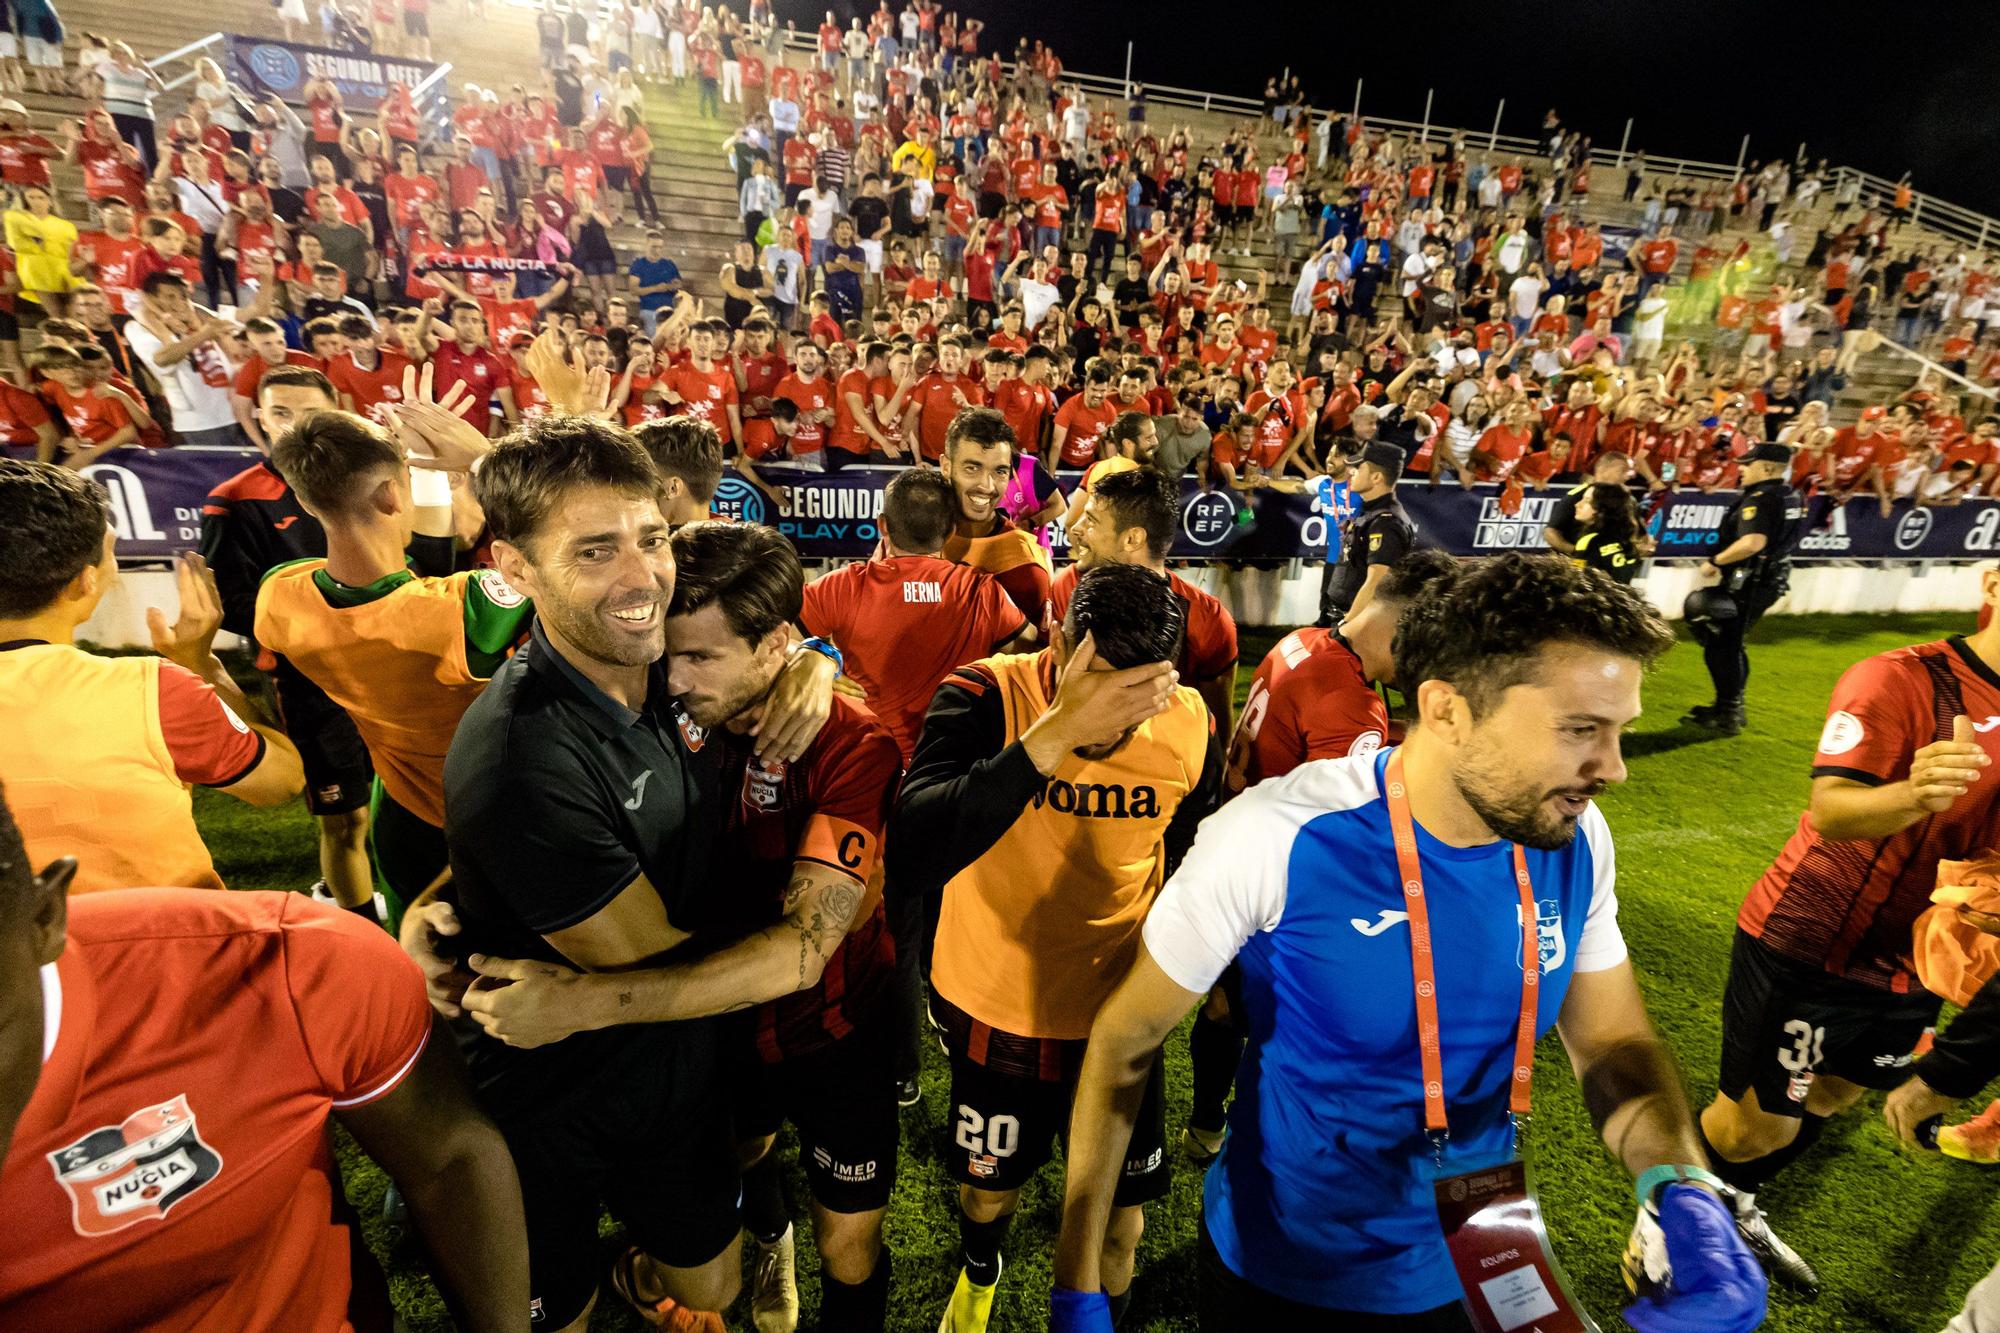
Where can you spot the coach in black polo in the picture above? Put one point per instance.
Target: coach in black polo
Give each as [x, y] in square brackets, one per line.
[577, 821]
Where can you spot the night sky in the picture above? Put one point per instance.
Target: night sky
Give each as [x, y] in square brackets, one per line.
[1905, 86]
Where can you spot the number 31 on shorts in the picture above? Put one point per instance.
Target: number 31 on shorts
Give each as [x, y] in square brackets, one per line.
[998, 1137]
[1804, 1050]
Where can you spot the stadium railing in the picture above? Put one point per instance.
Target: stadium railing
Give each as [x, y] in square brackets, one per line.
[1948, 220]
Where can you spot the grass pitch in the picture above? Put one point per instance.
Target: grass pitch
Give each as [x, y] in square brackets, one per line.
[1897, 1237]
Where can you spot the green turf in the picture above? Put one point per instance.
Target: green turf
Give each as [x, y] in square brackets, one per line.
[1898, 1238]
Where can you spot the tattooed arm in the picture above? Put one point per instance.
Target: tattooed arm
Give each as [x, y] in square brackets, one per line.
[533, 1004]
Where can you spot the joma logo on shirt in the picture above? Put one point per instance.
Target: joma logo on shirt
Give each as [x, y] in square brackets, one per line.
[1093, 800]
[922, 592]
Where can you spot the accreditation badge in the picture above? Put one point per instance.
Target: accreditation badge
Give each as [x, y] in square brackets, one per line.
[1493, 1227]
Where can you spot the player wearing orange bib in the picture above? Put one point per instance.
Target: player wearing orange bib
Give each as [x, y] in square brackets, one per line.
[404, 655]
[100, 752]
[979, 460]
[1049, 797]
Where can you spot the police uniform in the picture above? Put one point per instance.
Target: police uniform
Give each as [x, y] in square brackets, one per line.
[1721, 615]
[1381, 534]
[1611, 558]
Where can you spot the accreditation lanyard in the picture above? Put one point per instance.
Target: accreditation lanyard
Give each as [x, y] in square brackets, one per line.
[1424, 970]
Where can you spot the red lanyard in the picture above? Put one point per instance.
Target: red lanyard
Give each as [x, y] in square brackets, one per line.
[1423, 968]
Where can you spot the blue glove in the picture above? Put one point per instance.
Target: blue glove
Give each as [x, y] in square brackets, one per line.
[1717, 1284]
[1079, 1311]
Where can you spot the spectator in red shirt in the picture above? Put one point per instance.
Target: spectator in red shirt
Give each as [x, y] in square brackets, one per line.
[466, 359]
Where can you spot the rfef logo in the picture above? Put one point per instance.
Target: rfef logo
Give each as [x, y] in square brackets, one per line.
[275, 67]
[1208, 517]
[738, 499]
[1912, 528]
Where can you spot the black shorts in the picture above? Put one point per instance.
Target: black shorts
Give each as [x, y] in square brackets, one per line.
[1003, 1128]
[616, 177]
[650, 1142]
[337, 768]
[1784, 1022]
[415, 24]
[842, 1102]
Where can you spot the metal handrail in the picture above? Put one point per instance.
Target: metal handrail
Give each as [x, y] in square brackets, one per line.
[200, 44]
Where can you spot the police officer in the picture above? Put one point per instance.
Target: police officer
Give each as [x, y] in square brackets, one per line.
[1749, 571]
[1379, 536]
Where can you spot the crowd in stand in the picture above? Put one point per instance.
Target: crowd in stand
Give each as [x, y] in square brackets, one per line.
[945, 227]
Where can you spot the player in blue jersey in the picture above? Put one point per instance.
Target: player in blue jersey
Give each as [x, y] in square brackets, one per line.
[1320, 1211]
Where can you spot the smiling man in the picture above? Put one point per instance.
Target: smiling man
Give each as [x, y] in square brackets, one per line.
[580, 835]
[979, 460]
[791, 940]
[1320, 1208]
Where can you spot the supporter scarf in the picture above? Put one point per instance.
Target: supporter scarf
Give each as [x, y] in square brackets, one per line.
[448, 261]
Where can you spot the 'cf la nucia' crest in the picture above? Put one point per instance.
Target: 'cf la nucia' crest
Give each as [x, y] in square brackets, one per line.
[134, 1171]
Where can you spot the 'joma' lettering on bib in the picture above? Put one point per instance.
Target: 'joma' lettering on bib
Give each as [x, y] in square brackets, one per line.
[1099, 800]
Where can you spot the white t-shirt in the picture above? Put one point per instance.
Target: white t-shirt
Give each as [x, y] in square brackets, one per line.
[1649, 321]
[1512, 252]
[1524, 295]
[820, 208]
[196, 403]
[1415, 270]
[1037, 299]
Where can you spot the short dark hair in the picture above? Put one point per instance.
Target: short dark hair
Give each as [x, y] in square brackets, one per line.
[357, 326]
[325, 456]
[1482, 631]
[1132, 614]
[1141, 498]
[918, 510]
[153, 282]
[1126, 426]
[52, 523]
[687, 448]
[747, 569]
[297, 377]
[1416, 572]
[262, 325]
[982, 427]
[521, 481]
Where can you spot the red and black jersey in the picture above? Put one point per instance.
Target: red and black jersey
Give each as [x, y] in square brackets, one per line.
[251, 524]
[831, 806]
[1848, 906]
[1208, 648]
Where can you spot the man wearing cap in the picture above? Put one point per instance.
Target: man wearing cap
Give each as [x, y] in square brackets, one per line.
[1747, 573]
[1380, 535]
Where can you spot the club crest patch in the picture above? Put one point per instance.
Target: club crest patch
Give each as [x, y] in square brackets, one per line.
[763, 783]
[135, 1171]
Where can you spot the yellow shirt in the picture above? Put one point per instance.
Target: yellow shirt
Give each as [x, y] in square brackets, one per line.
[914, 159]
[41, 251]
